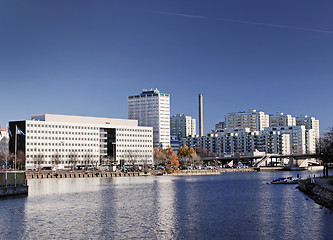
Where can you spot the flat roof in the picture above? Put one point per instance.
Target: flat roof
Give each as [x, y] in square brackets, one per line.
[84, 119]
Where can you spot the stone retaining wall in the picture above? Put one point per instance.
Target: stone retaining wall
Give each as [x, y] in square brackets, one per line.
[80, 175]
[318, 193]
[12, 191]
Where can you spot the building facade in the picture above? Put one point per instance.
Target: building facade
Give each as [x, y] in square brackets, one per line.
[182, 126]
[152, 109]
[252, 119]
[241, 140]
[309, 123]
[62, 141]
[282, 120]
[4, 140]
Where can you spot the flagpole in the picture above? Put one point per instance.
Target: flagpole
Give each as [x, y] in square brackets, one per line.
[6, 169]
[15, 151]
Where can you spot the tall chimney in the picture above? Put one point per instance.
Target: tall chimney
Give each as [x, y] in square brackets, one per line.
[200, 115]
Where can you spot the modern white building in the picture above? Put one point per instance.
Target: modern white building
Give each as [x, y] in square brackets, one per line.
[152, 109]
[182, 126]
[252, 119]
[62, 141]
[241, 140]
[309, 123]
[4, 140]
[298, 138]
[280, 119]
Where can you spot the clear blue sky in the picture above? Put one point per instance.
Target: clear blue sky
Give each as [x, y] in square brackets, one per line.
[86, 57]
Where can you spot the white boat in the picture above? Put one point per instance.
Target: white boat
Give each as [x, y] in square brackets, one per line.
[288, 180]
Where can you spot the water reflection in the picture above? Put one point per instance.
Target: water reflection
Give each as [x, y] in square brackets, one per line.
[166, 209]
[229, 206]
[12, 221]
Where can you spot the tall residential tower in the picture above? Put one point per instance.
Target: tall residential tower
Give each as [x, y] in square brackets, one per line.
[182, 126]
[152, 109]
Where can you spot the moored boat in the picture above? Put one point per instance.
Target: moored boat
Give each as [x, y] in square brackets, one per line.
[288, 180]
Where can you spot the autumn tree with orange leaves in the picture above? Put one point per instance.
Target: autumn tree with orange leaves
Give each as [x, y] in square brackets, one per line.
[166, 157]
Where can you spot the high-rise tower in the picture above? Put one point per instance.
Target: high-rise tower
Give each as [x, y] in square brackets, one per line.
[152, 109]
[200, 115]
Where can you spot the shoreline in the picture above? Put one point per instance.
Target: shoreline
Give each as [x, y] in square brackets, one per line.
[319, 190]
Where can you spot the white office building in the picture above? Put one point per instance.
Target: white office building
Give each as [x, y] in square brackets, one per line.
[152, 109]
[252, 119]
[62, 141]
[182, 126]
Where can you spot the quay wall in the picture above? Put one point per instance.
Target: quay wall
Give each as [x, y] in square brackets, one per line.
[318, 193]
[13, 191]
[41, 175]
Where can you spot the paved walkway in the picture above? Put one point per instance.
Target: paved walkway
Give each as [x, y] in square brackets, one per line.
[324, 182]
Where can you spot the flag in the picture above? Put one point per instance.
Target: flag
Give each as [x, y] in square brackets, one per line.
[19, 132]
[10, 133]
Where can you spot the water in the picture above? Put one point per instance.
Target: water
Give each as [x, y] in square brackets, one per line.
[227, 206]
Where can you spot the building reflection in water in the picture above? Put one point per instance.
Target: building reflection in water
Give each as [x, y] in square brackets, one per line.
[166, 209]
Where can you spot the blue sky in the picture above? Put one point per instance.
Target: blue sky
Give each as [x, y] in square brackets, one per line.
[86, 57]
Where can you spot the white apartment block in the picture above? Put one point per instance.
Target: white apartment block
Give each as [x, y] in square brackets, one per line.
[252, 119]
[298, 138]
[61, 141]
[152, 109]
[4, 140]
[182, 126]
[280, 119]
[309, 123]
[241, 140]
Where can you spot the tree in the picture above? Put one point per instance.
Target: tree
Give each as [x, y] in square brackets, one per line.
[20, 160]
[172, 158]
[131, 158]
[159, 157]
[72, 160]
[88, 159]
[39, 160]
[325, 150]
[56, 159]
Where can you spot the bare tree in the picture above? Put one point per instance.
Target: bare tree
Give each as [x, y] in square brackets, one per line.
[131, 158]
[39, 160]
[325, 150]
[88, 159]
[72, 160]
[56, 159]
[20, 160]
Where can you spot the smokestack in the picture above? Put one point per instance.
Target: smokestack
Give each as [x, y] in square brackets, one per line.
[200, 115]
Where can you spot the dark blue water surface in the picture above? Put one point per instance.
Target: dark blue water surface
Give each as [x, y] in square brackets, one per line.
[226, 206]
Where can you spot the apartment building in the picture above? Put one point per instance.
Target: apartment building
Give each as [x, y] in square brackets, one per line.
[252, 119]
[182, 126]
[280, 119]
[4, 139]
[241, 140]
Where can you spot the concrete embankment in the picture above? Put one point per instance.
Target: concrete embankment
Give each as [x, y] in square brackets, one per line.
[13, 191]
[12, 184]
[41, 175]
[213, 172]
[319, 190]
